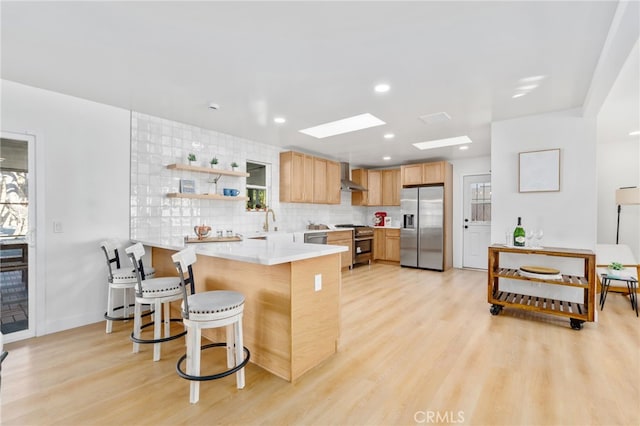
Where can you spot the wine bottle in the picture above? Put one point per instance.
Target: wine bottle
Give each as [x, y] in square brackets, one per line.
[519, 235]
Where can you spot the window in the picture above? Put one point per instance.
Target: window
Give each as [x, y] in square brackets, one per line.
[481, 202]
[258, 185]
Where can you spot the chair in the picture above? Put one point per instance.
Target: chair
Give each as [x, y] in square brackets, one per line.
[626, 279]
[155, 292]
[120, 279]
[210, 309]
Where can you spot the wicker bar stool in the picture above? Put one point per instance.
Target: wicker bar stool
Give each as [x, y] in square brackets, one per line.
[209, 309]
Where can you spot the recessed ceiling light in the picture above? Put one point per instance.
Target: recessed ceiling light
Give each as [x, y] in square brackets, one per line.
[387, 158]
[464, 147]
[389, 136]
[634, 133]
[214, 106]
[439, 143]
[529, 87]
[279, 120]
[518, 95]
[346, 125]
[382, 88]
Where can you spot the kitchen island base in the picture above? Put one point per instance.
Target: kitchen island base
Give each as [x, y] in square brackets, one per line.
[292, 310]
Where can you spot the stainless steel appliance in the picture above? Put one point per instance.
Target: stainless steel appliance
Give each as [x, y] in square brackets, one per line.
[315, 237]
[422, 232]
[362, 243]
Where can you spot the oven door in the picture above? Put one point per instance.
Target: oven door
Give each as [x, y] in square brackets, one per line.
[363, 245]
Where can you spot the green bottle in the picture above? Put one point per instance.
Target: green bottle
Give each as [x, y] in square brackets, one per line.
[518, 235]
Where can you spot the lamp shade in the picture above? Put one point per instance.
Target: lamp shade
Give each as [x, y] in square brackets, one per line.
[628, 196]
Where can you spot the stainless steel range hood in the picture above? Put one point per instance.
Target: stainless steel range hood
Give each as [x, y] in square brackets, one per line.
[346, 184]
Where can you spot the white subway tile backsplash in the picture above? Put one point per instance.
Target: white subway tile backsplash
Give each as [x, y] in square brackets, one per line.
[156, 142]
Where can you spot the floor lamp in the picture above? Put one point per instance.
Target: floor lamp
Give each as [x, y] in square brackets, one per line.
[624, 196]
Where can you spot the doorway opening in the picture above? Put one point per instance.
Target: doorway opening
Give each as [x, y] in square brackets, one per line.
[16, 216]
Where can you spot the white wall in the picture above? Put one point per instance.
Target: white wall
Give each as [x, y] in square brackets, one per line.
[568, 217]
[618, 166]
[82, 154]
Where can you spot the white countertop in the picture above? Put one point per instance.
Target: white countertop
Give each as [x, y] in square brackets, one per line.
[263, 252]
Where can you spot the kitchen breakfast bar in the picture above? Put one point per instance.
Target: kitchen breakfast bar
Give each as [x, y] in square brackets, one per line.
[291, 317]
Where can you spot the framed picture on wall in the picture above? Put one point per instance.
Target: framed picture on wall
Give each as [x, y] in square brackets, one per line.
[539, 171]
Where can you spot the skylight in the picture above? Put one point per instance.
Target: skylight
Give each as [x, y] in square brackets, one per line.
[439, 143]
[346, 125]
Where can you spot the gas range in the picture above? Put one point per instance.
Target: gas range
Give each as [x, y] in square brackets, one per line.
[359, 231]
[362, 242]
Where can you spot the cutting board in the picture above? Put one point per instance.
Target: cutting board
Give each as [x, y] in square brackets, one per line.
[540, 270]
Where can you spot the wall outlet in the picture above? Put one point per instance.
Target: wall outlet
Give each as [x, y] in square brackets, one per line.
[318, 282]
[57, 227]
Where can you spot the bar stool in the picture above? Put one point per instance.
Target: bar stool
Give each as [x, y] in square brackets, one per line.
[155, 292]
[120, 279]
[210, 309]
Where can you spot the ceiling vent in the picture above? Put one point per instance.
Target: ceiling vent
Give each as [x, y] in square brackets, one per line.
[437, 117]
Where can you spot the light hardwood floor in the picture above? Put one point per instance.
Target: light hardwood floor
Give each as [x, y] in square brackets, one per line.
[416, 347]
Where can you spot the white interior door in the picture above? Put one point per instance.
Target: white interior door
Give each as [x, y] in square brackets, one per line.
[476, 220]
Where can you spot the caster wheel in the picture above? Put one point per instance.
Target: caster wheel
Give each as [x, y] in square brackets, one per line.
[495, 309]
[576, 324]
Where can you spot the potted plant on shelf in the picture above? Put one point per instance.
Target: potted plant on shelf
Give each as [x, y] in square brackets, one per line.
[234, 166]
[213, 162]
[192, 158]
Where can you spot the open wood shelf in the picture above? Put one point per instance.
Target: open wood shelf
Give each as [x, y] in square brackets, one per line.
[541, 304]
[567, 280]
[207, 196]
[209, 170]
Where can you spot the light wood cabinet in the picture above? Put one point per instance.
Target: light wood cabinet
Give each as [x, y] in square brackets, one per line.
[424, 173]
[391, 187]
[308, 179]
[386, 244]
[392, 245]
[383, 187]
[375, 188]
[294, 187]
[319, 181]
[343, 238]
[411, 174]
[361, 177]
[333, 182]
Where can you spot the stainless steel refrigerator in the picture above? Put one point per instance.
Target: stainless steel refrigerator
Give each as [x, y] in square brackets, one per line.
[422, 232]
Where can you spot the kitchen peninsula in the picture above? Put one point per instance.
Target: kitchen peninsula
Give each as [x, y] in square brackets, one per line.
[292, 296]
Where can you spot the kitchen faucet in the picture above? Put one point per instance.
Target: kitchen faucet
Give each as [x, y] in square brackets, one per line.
[265, 227]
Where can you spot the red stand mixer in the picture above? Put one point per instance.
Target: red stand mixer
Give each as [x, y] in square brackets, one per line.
[378, 218]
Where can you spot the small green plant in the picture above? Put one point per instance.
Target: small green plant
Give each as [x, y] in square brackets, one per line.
[191, 157]
[616, 266]
[234, 165]
[213, 161]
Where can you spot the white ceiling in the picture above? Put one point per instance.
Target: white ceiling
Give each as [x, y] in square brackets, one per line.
[314, 62]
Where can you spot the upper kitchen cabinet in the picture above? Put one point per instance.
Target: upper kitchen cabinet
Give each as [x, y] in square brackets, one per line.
[375, 188]
[391, 187]
[383, 187]
[295, 184]
[333, 182]
[361, 177]
[424, 173]
[308, 179]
